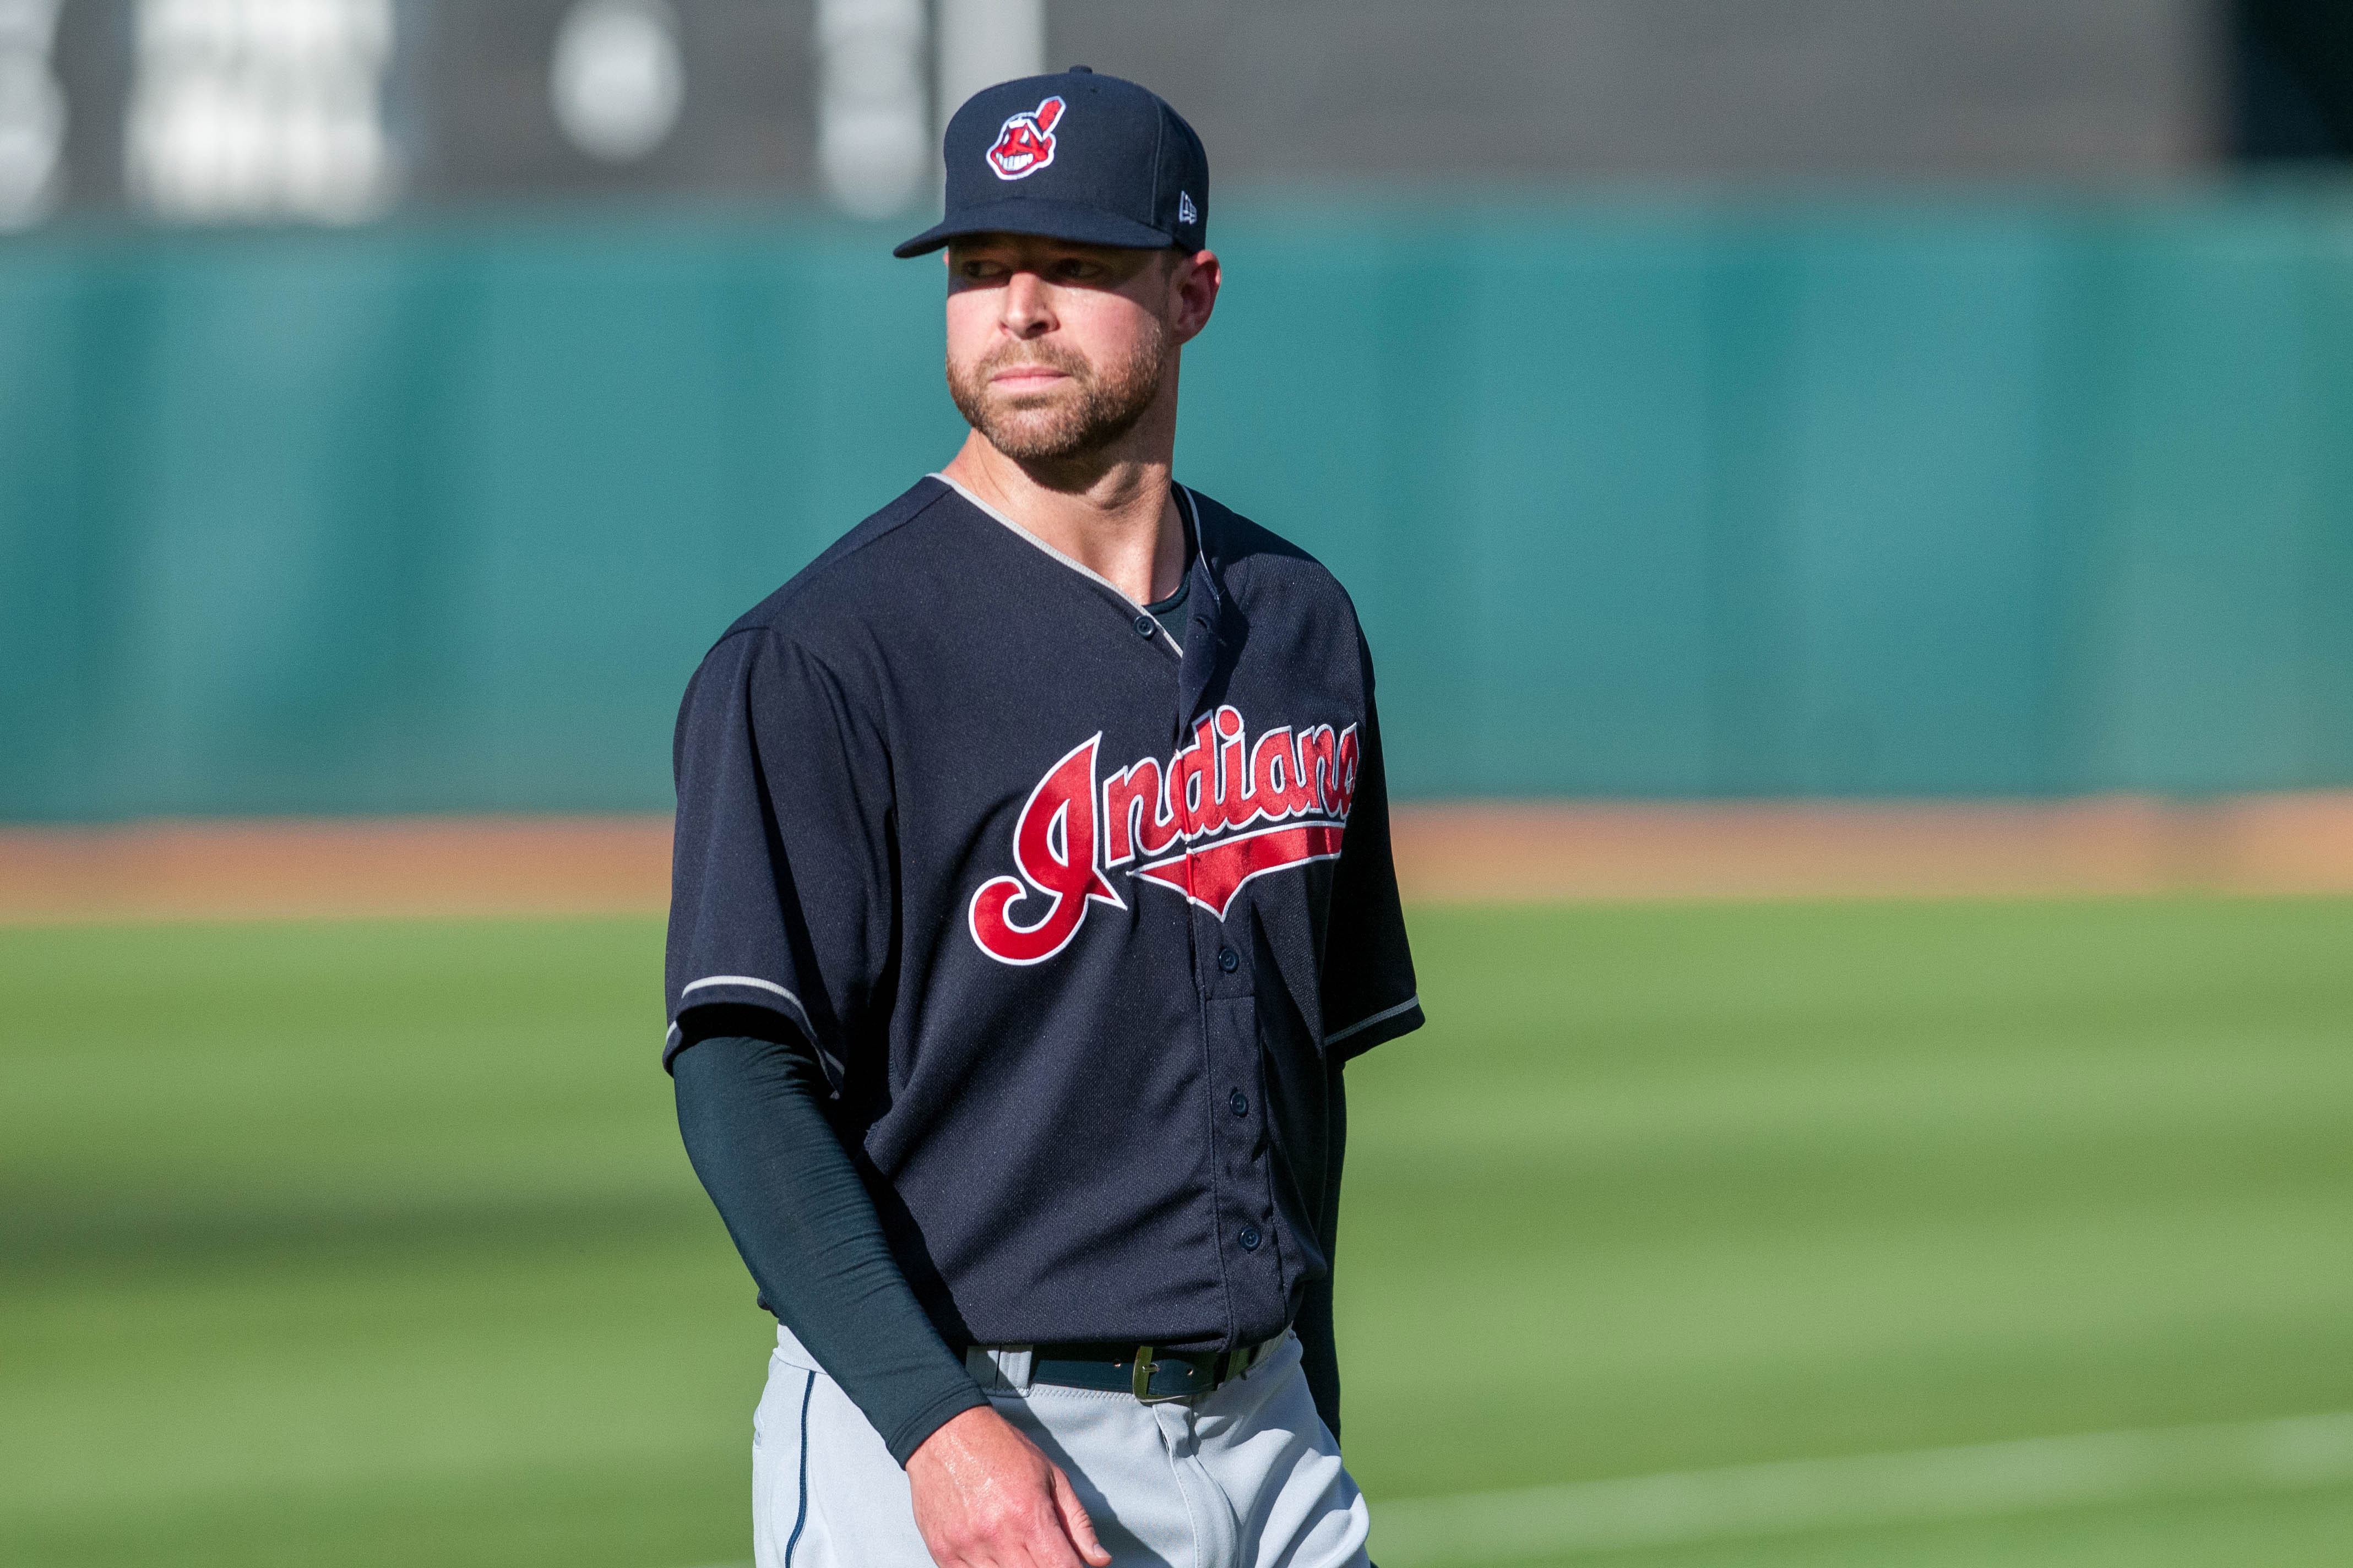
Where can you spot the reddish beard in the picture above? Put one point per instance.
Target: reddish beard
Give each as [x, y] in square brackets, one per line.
[1054, 424]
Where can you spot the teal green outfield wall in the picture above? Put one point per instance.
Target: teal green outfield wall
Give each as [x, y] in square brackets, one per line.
[1977, 497]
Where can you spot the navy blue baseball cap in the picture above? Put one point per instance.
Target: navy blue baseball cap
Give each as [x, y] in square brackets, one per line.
[1076, 156]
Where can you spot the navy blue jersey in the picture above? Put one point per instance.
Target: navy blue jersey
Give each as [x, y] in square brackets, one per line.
[1073, 917]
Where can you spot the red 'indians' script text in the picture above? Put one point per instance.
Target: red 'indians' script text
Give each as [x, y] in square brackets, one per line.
[1222, 811]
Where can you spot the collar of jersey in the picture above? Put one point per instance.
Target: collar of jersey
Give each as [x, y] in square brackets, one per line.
[1200, 547]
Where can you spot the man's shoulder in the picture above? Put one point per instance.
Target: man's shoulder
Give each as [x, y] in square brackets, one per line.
[1255, 560]
[858, 577]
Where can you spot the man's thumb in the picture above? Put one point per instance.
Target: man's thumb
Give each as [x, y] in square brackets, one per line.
[1075, 1521]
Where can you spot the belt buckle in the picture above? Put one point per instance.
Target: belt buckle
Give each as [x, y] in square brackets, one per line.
[1145, 1367]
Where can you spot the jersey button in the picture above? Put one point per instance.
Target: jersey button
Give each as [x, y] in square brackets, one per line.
[1249, 1238]
[1229, 960]
[1239, 1103]
[1146, 626]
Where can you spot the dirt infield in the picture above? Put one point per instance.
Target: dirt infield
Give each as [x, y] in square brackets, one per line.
[2301, 843]
[1529, 851]
[420, 866]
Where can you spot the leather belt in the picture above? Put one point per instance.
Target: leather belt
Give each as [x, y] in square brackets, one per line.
[1155, 1377]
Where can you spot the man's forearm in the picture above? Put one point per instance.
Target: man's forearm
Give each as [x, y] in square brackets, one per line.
[1319, 1347]
[751, 1112]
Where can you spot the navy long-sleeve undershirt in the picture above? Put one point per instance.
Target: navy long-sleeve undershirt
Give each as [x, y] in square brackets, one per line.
[751, 1112]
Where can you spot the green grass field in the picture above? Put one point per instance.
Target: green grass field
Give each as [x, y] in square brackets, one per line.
[371, 1242]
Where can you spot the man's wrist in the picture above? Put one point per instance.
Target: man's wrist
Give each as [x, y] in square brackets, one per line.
[917, 1429]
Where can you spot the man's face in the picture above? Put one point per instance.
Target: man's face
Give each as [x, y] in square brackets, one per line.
[1056, 350]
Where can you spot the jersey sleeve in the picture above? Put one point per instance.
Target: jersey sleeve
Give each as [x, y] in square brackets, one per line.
[1368, 986]
[781, 892]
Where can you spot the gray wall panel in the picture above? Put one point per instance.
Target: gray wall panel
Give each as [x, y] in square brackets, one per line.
[486, 127]
[1290, 89]
[1342, 89]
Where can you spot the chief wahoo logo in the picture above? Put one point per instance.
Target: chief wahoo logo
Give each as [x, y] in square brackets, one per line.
[1026, 144]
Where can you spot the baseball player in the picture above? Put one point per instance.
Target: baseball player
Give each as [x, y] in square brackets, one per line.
[1032, 886]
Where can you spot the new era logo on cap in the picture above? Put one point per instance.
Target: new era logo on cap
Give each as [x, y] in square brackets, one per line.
[1026, 143]
[1184, 213]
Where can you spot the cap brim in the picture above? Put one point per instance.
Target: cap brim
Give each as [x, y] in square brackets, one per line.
[1045, 219]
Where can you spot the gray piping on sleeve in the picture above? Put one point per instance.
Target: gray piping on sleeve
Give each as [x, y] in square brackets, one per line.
[799, 1012]
[1363, 1024]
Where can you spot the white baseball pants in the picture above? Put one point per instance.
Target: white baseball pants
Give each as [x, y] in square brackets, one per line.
[1246, 1478]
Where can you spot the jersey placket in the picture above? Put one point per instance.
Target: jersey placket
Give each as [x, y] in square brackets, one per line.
[1249, 1252]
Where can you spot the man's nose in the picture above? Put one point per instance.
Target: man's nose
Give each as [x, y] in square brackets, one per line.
[1027, 312]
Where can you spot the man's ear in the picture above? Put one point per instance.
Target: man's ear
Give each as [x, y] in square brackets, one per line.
[1194, 280]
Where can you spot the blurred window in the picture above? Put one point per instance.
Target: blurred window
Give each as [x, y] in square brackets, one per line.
[32, 112]
[617, 79]
[984, 42]
[260, 109]
[874, 133]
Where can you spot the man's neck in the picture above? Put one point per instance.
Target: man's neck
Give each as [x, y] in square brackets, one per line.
[1119, 522]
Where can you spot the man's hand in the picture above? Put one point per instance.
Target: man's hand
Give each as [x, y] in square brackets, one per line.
[986, 1498]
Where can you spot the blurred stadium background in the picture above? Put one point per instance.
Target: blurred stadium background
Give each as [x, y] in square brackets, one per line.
[1853, 501]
